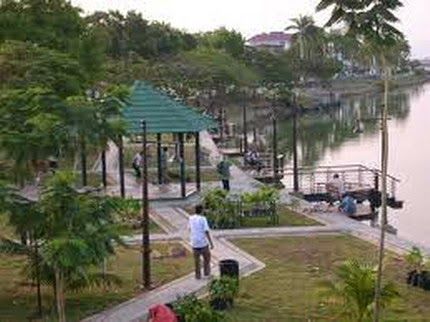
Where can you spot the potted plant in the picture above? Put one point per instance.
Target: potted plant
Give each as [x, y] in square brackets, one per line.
[190, 309]
[222, 292]
[415, 260]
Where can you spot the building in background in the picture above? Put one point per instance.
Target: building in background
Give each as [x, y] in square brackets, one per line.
[276, 41]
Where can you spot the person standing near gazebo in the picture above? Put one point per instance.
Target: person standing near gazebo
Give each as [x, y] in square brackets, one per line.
[137, 164]
[223, 169]
[164, 169]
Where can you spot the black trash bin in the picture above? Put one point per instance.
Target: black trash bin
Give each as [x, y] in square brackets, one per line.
[230, 268]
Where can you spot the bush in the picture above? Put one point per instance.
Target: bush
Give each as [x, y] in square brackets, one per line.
[191, 309]
[224, 288]
[221, 212]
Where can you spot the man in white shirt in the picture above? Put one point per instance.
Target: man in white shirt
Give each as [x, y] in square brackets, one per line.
[200, 241]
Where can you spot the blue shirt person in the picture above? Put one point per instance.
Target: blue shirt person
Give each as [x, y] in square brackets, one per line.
[348, 205]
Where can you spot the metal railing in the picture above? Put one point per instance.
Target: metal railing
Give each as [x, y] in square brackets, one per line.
[354, 177]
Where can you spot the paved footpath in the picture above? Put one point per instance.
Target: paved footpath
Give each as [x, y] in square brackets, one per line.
[174, 221]
[136, 309]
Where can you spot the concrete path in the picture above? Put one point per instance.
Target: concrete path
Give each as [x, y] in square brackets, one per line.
[136, 309]
[174, 221]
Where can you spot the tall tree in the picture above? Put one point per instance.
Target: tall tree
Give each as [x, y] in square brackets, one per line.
[232, 42]
[55, 24]
[305, 31]
[373, 22]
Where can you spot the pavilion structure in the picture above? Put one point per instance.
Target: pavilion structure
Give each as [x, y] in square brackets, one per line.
[163, 115]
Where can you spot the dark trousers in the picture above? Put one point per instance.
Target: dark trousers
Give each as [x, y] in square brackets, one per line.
[137, 170]
[226, 184]
[206, 253]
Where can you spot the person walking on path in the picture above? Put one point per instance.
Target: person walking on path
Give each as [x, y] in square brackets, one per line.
[200, 241]
[223, 169]
[137, 164]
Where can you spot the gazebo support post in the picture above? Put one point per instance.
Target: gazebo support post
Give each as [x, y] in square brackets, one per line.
[182, 164]
[104, 172]
[146, 249]
[159, 170]
[197, 146]
[83, 161]
[121, 166]
[245, 129]
[275, 147]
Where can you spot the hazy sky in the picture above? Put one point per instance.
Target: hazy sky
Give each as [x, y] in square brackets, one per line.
[254, 16]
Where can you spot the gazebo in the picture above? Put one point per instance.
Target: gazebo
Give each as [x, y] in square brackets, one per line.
[164, 115]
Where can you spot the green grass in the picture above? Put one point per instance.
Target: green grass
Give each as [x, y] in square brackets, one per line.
[290, 287]
[18, 301]
[287, 217]
[153, 229]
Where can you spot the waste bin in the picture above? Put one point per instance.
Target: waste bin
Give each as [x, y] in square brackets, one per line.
[230, 268]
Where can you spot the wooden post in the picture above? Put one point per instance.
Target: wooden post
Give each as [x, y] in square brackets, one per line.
[39, 294]
[121, 166]
[198, 178]
[376, 181]
[182, 165]
[159, 169]
[146, 264]
[83, 161]
[245, 129]
[295, 163]
[275, 146]
[104, 173]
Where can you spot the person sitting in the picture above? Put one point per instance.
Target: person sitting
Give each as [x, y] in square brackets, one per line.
[335, 188]
[253, 159]
[348, 205]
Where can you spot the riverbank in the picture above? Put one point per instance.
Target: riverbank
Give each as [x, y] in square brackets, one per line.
[352, 87]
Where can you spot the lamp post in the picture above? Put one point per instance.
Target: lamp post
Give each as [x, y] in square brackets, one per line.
[146, 265]
[275, 144]
[295, 157]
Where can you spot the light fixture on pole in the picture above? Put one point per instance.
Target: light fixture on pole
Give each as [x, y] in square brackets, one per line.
[146, 265]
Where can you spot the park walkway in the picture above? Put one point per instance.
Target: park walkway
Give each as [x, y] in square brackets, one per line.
[174, 221]
[137, 308]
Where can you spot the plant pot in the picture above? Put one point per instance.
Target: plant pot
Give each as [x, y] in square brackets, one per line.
[221, 304]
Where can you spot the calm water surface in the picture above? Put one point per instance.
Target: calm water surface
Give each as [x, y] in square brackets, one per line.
[328, 139]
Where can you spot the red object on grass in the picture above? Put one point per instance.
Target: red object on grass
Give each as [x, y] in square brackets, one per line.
[162, 313]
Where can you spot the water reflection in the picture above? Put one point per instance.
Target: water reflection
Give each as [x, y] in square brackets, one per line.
[319, 132]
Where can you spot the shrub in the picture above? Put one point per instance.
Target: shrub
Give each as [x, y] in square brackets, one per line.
[220, 210]
[224, 288]
[191, 309]
[415, 259]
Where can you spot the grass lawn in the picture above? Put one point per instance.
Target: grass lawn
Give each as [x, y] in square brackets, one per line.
[290, 287]
[153, 229]
[18, 301]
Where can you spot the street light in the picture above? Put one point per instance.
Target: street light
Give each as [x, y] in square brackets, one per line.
[295, 161]
[146, 265]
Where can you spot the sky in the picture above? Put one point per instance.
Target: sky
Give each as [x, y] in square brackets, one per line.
[255, 16]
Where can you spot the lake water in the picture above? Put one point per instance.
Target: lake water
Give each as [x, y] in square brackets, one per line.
[327, 138]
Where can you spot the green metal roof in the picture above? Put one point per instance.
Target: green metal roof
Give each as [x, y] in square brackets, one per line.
[161, 113]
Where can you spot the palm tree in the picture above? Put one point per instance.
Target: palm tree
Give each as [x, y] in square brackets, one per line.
[354, 290]
[372, 22]
[305, 32]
